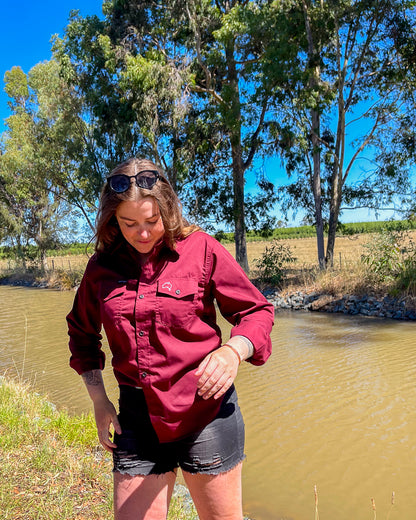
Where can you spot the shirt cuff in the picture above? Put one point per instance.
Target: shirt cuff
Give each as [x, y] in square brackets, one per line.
[248, 343]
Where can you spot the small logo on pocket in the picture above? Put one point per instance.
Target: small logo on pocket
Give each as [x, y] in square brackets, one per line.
[167, 285]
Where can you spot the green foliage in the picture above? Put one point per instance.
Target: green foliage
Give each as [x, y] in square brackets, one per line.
[376, 227]
[31, 252]
[391, 256]
[384, 255]
[37, 181]
[270, 265]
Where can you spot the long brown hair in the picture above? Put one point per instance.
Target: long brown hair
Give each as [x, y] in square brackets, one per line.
[107, 230]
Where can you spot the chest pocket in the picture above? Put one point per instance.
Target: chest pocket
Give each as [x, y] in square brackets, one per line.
[176, 301]
[113, 299]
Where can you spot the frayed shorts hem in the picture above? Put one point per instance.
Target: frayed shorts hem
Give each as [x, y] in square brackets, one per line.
[218, 471]
[138, 472]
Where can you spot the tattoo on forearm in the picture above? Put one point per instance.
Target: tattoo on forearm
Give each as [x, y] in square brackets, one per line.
[92, 378]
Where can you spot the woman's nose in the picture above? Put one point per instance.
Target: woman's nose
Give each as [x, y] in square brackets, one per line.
[144, 233]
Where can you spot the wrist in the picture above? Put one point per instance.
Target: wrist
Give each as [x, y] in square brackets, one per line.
[236, 352]
[242, 345]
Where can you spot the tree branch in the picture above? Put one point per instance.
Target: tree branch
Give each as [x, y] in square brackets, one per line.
[361, 148]
[213, 93]
[254, 143]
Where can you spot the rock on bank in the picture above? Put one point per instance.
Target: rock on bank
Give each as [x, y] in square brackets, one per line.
[382, 307]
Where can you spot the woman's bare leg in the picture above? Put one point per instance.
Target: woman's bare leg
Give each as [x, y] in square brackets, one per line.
[216, 497]
[142, 497]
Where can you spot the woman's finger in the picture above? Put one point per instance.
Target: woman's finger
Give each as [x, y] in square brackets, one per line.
[209, 366]
[217, 388]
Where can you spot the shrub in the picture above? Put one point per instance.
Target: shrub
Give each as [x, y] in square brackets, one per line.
[385, 254]
[392, 257]
[270, 264]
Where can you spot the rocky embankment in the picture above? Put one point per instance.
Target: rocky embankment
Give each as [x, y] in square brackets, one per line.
[382, 307]
[403, 308]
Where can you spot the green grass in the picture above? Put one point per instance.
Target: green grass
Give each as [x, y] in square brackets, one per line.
[52, 467]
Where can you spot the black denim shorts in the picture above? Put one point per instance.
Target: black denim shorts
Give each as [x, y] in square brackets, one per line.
[215, 449]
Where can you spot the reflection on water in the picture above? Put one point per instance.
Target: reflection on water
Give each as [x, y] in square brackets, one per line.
[334, 406]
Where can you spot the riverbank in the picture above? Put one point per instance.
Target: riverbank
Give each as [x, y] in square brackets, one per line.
[52, 466]
[382, 306]
[350, 287]
[296, 296]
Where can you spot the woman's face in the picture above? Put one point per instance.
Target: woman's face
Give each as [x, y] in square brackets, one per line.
[140, 223]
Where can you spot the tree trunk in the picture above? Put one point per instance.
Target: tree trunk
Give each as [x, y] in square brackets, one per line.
[316, 188]
[316, 145]
[20, 254]
[233, 116]
[334, 208]
[337, 180]
[43, 259]
[239, 210]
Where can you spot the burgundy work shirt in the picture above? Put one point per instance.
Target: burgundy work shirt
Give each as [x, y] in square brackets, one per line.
[160, 322]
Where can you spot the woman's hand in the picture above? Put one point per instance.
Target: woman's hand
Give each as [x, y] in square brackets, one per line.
[217, 373]
[105, 416]
[104, 411]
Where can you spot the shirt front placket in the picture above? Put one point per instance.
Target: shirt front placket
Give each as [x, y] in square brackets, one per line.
[144, 315]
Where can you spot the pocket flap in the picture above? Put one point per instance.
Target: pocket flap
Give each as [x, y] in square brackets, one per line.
[177, 287]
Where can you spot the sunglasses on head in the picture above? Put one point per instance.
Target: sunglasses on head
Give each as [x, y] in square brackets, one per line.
[145, 179]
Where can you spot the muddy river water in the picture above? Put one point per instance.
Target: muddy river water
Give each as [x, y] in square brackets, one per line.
[333, 407]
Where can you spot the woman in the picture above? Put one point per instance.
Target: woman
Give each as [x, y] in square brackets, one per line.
[152, 285]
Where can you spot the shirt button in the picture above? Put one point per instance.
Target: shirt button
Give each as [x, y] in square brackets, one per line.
[144, 375]
[141, 296]
[178, 291]
[141, 333]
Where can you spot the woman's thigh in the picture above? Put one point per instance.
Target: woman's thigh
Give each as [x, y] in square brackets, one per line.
[216, 497]
[211, 463]
[139, 497]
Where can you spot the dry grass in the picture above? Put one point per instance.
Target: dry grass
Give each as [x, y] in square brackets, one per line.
[348, 276]
[304, 274]
[348, 250]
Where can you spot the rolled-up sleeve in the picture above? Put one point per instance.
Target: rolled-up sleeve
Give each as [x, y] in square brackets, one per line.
[241, 303]
[84, 325]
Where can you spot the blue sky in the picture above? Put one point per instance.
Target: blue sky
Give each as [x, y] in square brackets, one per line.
[26, 28]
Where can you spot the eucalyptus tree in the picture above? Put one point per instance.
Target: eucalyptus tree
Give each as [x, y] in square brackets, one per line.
[342, 98]
[34, 166]
[183, 83]
[398, 154]
[132, 92]
[65, 144]
[227, 45]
